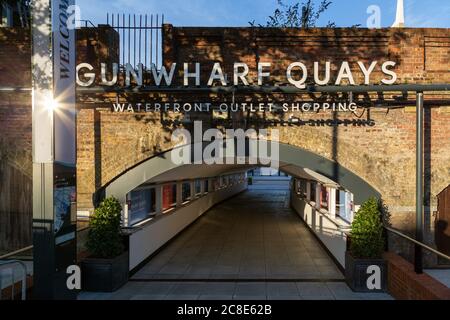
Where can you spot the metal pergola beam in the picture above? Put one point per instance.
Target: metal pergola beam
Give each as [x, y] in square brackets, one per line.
[263, 89]
[418, 267]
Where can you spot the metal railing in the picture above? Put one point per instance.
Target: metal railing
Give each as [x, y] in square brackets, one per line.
[11, 264]
[417, 243]
[141, 38]
[15, 253]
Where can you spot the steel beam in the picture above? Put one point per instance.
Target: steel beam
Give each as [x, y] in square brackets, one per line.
[275, 89]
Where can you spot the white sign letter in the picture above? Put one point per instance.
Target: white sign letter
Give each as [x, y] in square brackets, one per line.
[298, 83]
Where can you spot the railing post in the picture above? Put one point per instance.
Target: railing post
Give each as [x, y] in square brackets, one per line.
[418, 265]
[12, 283]
[10, 264]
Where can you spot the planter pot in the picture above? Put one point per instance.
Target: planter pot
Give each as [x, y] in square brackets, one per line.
[357, 274]
[104, 275]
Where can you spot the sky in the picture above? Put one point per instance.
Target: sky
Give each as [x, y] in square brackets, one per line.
[418, 13]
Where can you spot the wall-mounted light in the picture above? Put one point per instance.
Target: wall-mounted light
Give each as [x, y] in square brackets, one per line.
[51, 103]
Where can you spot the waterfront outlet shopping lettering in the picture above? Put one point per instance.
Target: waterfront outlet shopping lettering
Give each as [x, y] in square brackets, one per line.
[297, 74]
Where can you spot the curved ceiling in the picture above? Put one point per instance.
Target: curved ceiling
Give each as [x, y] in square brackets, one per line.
[293, 160]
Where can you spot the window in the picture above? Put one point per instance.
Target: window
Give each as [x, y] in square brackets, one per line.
[6, 15]
[345, 205]
[223, 181]
[141, 204]
[169, 193]
[305, 188]
[324, 196]
[186, 191]
[338, 201]
[301, 187]
[216, 184]
[198, 187]
[313, 191]
[206, 186]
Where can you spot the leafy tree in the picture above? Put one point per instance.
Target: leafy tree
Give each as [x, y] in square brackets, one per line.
[104, 238]
[298, 15]
[367, 238]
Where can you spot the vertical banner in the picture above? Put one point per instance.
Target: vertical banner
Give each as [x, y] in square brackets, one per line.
[54, 148]
[64, 115]
[64, 82]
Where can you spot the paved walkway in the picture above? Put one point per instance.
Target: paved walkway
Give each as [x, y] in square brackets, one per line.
[233, 290]
[441, 275]
[252, 246]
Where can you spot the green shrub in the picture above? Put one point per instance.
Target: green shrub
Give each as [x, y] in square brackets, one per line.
[104, 237]
[367, 238]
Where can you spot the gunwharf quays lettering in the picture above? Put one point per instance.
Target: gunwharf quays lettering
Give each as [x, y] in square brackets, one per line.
[297, 74]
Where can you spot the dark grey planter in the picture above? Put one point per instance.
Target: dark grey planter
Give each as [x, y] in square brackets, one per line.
[104, 275]
[356, 274]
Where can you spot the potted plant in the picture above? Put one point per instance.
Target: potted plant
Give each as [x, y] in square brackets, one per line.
[365, 270]
[106, 268]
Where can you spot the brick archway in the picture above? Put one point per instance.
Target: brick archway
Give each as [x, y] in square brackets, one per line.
[160, 163]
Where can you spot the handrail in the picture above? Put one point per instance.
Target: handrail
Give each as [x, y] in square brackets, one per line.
[417, 242]
[341, 228]
[13, 253]
[8, 263]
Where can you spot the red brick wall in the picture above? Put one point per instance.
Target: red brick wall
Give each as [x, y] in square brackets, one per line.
[15, 53]
[15, 140]
[383, 155]
[422, 55]
[405, 284]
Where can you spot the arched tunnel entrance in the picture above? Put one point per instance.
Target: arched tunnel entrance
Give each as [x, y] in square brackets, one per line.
[228, 231]
[162, 198]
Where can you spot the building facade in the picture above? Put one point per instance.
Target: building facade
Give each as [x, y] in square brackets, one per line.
[376, 144]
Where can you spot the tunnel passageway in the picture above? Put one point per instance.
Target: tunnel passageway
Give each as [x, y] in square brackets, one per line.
[252, 246]
[254, 235]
